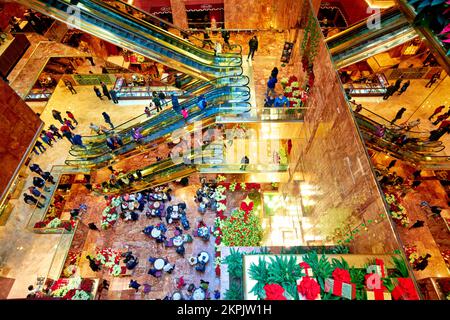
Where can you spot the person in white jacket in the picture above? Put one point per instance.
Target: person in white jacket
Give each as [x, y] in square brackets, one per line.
[217, 48]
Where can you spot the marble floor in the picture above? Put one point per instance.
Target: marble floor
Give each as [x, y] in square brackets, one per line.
[433, 237]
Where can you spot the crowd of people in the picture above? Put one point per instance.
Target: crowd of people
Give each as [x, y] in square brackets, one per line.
[40, 186]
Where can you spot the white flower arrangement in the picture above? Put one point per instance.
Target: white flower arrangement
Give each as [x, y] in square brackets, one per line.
[116, 270]
[243, 186]
[54, 223]
[81, 295]
[217, 261]
[220, 178]
[74, 283]
[221, 207]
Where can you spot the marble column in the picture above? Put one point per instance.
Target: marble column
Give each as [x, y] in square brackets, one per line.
[179, 13]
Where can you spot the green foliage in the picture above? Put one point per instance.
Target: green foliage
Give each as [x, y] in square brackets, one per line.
[235, 292]
[340, 249]
[357, 276]
[321, 268]
[341, 264]
[260, 274]
[284, 270]
[234, 263]
[401, 270]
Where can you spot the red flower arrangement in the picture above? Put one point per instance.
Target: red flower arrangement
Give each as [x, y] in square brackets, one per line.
[40, 224]
[405, 290]
[274, 292]
[309, 288]
[341, 275]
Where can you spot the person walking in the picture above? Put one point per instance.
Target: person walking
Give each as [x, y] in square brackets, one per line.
[44, 138]
[389, 92]
[245, 161]
[281, 101]
[40, 183]
[217, 48]
[202, 103]
[70, 86]
[92, 226]
[399, 115]
[98, 93]
[55, 131]
[162, 97]
[57, 116]
[435, 135]
[48, 177]
[433, 79]
[175, 103]
[274, 73]
[226, 38]
[148, 112]
[436, 111]
[397, 84]
[72, 117]
[36, 169]
[94, 128]
[40, 146]
[178, 83]
[253, 46]
[185, 114]
[113, 94]
[35, 192]
[271, 85]
[77, 141]
[107, 119]
[67, 133]
[50, 136]
[32, 201]
[68, 123]
[404, 87]
[157, 103]
[105, 90]
[441, 118]
[207, 40]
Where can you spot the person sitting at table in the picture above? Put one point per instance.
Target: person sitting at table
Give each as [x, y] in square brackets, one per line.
[202, 207]
[161, 239]
[204, 284]
[201, 266]
[152, 259]
[127, 255]
[132, 263]
[148, 230]
[181, 250]
[168, 267]
[162, 227]
[154, 272]
[134, 284]
[178, 231]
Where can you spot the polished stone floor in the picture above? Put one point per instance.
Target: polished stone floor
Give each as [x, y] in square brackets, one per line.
[433, 237]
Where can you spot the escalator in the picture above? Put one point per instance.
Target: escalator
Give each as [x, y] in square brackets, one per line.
[418, 141]
[110, 24]
[206, 88]
[160, 129]
[167, 170]
[360, 41]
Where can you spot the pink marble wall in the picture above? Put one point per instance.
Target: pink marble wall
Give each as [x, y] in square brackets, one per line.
[18, 126]
[335, 162]
[179, 13]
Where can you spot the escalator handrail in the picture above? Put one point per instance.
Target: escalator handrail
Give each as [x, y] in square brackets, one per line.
[146, 38]
[157, 29]
[116, 152]
[168, 101]
[171, 25]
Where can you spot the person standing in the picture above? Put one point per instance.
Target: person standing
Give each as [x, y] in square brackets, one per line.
[175, 103]
[107, 119]
[271, 85]
[44, 138]
[55, 131]
[48, 177]
[70, 87]
[32, 201]
[40, 183]
[77, 141]
[404, 87]
[441, 118]
[245, 161]
[436, 111]
[184, 113]
[94, 128]
[389, 92]
[162, 97]
[226, 38]
[50, 136]
[399, 115]
[148, 112]
[36, 169]
[67, 133]
[40, 146]
[105, 90]
[274, 73]
[178, 83]
[68, 123]
[35, 192]
[98, 93]
[72, 117]
[113, 94]
[92, 226]
[217, 48]
[397, 84]
[157, 103]
[253, 46]
[57, 116]
[433, 79]
[435, 135]
[207, 40]
[202, 103]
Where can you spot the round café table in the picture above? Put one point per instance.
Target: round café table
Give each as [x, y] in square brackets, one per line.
[203, 257]
[199, 294]
[178, 241]
[155, 233]
[176, 295]
[159, 264]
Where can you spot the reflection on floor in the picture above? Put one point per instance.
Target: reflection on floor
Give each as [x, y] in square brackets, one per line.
[433, 237]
